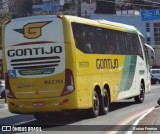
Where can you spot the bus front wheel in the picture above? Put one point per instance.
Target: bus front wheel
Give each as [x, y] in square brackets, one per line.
[140, 97]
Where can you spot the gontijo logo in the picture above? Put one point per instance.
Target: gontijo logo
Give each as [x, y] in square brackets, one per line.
[32, 30]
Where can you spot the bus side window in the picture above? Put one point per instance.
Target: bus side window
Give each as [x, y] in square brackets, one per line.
[88, 48]
[129, 44]
[77, 34]
[111, 45]
[121, 42]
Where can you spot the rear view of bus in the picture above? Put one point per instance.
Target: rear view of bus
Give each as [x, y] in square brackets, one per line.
[35, 67]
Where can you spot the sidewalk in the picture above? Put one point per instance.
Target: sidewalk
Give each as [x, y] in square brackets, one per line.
[2, 103]
[151, 120]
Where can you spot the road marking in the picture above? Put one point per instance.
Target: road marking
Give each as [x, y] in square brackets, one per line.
[21, 123]
[140, 118]
[129, 119]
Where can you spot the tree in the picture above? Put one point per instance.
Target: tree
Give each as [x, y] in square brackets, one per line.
[3, 18]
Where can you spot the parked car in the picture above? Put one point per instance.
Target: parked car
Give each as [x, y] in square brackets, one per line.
[155, 72]
[155, 76]
[2, 89]
[155, 79]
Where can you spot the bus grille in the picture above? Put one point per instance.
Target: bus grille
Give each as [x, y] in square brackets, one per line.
[33, 63]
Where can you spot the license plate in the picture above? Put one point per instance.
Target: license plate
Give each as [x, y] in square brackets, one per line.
[38, 104]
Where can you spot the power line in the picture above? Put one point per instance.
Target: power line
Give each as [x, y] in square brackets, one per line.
[150, 1]
[131, 4]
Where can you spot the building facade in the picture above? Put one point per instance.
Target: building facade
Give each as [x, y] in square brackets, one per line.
[88, 8]
[47, 6]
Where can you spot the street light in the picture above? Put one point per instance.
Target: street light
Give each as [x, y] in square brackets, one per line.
[52, 7]
[79, 8]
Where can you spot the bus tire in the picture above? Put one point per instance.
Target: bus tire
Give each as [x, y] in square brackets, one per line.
[140, 98]
[104, 103]
[94, 111]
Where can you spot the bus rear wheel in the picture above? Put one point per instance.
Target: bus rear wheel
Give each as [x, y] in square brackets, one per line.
[94, 111]
[140, 97]
[104, 105]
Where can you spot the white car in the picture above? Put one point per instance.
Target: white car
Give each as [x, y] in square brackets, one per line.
[155, 72]
[2, 89]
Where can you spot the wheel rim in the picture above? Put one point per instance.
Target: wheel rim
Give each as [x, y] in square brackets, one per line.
[96, 102]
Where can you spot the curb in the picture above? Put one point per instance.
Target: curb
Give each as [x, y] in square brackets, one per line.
[3, 106]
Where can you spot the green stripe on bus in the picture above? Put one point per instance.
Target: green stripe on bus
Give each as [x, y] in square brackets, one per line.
[128, 73]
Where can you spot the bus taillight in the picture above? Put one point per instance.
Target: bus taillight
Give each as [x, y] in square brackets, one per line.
[9, 93]
[69, 83]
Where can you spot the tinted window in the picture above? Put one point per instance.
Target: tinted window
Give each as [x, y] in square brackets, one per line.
[121, 43]
[96, 40]
[111, 45]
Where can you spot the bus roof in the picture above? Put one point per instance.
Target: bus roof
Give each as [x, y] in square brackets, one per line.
[116, 25]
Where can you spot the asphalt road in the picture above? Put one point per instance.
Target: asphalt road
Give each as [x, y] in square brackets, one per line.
[121, 113]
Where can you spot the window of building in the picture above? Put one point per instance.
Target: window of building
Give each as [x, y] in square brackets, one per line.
[147, 29]
[147, 25]
[157, 33]
[148, 40]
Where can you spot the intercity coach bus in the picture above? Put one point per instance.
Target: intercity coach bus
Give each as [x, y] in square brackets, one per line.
[63, 63]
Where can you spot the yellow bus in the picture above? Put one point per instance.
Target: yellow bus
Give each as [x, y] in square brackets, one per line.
[63, 63]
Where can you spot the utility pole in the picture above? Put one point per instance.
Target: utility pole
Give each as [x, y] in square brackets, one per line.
[79, 8]
[52, 7]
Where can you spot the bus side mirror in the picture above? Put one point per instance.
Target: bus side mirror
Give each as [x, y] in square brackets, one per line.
[152, 55]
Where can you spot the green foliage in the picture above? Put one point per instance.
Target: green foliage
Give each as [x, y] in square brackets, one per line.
[3, 18]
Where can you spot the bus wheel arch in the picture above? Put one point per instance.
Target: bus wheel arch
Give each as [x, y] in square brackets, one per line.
[105, 100]
[140, 98]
